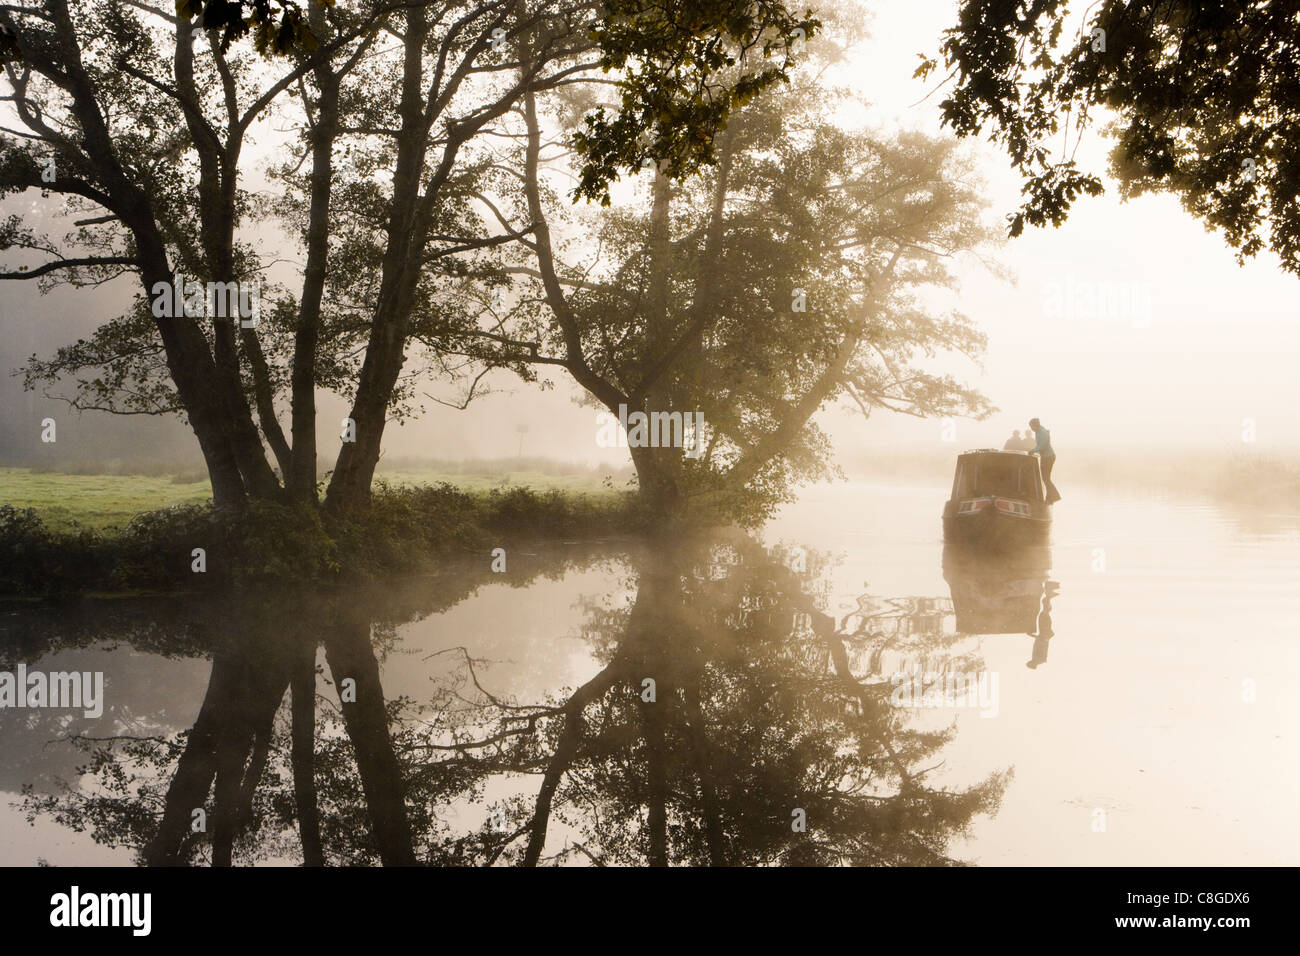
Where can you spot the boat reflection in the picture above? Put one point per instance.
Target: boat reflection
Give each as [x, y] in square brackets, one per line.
[1009, 593]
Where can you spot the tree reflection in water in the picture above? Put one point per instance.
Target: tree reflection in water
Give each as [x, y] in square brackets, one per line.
[727, 707]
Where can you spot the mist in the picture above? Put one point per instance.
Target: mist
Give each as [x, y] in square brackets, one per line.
[951, 513]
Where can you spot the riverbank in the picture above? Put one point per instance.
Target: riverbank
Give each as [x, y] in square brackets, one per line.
[80, 539]
[64, 533]
[110, 497]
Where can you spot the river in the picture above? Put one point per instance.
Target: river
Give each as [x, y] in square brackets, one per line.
[1129, 698]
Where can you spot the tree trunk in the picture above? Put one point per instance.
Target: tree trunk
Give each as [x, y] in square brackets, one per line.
[301, 479]
[657, 479]
[348, 651]
[303, 752]
[565, 752]
[243, 693]
[188, 357]
[349, 486]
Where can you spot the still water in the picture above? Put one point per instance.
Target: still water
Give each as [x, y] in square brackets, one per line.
[1126, 696]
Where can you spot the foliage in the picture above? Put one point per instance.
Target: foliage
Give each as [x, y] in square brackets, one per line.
[272, 33]
[1204, 97]
[810, 267]
[403, 529]
[675, 100]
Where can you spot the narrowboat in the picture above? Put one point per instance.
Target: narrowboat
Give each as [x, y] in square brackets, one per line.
[997, 501]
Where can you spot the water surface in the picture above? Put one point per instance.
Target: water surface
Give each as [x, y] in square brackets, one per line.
[1131, 703]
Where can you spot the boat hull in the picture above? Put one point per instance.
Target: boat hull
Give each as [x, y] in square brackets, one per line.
[992, 529]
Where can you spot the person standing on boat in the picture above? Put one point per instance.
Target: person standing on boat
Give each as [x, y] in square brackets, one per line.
[1014, 443]
[1046, 457]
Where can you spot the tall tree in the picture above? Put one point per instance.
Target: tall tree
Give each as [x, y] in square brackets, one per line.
[129, 120]
[792, 275]
[150, 128]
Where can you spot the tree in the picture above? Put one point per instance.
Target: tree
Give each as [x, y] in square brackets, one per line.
[1205, 99]
[794, 274]
[141, 121]
[146, 135]
[754, 713]
[348, 783]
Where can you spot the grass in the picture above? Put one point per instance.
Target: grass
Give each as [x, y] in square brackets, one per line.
[109, 501]
[404, 529]
[590, 484]
[94, 501]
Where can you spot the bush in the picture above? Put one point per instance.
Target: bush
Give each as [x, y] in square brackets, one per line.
[25, 549]
[403, 529]
[522, 512]
[156, 549]
[34, 560]
[278, 544]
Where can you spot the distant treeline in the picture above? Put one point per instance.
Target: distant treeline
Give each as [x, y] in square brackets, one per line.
[1268, 476]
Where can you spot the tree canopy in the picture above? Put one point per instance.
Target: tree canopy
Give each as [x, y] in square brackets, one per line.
[805, 269]
[1201, 98]
[146, 127]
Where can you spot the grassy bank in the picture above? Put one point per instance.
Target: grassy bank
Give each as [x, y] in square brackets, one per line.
[64, 534]
[98, 502]
[65, 500]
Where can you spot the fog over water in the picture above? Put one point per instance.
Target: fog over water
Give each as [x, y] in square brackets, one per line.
[1133, 709]
[1120, 684]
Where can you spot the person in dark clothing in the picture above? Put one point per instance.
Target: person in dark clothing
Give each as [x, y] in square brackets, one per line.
[1047, 457]
[1013, 443]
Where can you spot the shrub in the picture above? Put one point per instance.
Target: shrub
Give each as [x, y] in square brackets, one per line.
[403, 529]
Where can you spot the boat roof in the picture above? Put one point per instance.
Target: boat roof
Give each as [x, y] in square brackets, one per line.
[991, 451]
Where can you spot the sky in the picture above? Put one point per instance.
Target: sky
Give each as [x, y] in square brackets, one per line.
[1196, 349]
[1218, 344]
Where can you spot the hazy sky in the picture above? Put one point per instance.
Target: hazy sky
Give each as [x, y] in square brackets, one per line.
[1221, 341]
[1193, 345]
[1196, 344]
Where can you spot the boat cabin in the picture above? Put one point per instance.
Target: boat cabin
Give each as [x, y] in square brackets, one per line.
[989, 472]
[997, 498]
